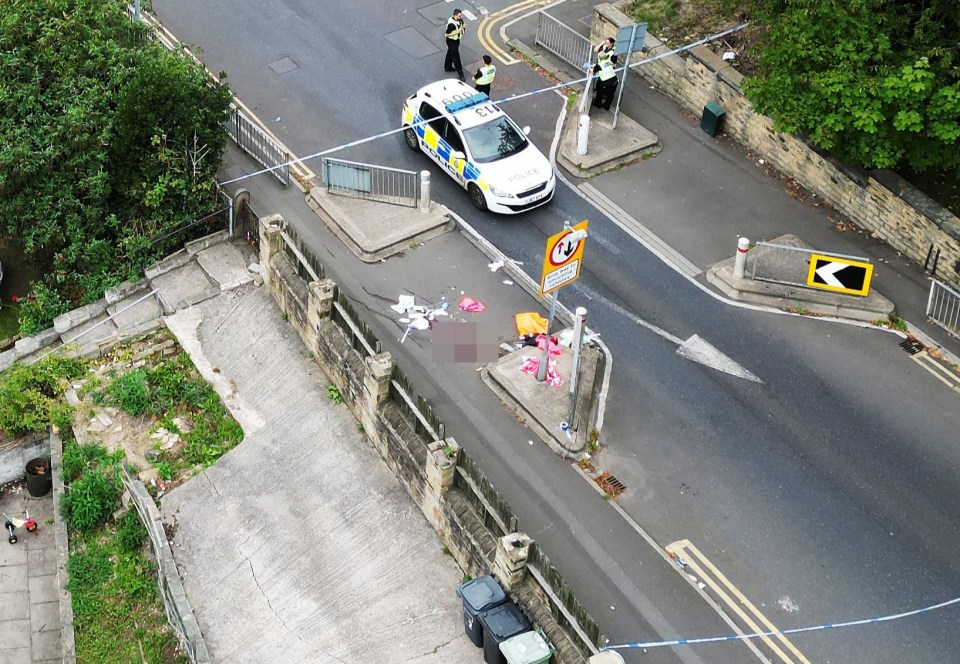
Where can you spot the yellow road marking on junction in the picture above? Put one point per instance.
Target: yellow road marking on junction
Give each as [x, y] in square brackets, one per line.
[708, 573]
[938, 371]
[485, 31]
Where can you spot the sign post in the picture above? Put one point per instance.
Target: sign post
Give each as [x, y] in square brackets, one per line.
[625, 45]
[561, 266]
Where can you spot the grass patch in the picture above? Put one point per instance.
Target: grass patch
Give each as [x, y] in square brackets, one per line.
[118, 613]
[655, 13]
[170, 389]
[9, 320]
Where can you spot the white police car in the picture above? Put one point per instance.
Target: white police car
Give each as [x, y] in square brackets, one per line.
[479, 146]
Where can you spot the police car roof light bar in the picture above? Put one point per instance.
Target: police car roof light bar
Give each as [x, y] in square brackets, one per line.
[469, 102]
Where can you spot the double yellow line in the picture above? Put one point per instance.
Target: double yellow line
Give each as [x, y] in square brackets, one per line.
[485, 31]
[726, 592]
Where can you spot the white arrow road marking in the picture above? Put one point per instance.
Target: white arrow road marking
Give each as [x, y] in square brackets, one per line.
[700, 351]
[694, 348]
[827, 273]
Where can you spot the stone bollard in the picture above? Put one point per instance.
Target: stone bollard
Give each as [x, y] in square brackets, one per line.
[740, 263]
[510, 561]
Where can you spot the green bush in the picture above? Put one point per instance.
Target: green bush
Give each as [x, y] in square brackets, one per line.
[130, 532]
[131, 392]
[29, 393]
[78, 458]
[88, 569]
[92, 498]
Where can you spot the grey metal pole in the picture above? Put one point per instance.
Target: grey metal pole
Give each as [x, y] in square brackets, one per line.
[626, 70]
[136, 10]
[578, 324]
[542, 369]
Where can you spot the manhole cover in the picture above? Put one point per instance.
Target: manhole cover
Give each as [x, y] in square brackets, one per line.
[912, 345]
[610, 484]
[284, 65]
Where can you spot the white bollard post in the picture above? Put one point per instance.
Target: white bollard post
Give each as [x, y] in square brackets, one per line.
[424, 191]
[740, 264]
[583, 132]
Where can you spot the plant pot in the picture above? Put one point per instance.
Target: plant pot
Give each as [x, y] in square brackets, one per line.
[39, 477]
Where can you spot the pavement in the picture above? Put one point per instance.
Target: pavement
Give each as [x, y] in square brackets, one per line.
[29, 592]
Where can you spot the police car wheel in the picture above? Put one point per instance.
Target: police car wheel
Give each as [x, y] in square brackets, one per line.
[477, 197]
[410, 136]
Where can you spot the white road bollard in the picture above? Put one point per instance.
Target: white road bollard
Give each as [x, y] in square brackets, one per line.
[424, 191]
[740, 263]
[583, 133]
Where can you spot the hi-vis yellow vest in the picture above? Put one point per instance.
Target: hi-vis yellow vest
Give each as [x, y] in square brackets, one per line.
[456, 24]
[487, 72]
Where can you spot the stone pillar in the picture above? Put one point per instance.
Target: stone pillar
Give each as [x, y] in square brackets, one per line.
[442, 456]
[376, 380]
[319, 302]
[510, 561]
[441, 465]
[270, 228]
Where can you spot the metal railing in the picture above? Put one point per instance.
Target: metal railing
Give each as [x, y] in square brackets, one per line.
[784, 264]
[943, 308]
[374, 183]
[562, 41]
[258, 144]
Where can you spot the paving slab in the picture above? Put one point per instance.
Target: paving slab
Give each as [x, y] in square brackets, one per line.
[225, 265]
[29, 594]
[183, 285]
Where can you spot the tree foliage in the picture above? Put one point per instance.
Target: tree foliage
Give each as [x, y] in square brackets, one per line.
[108, 142]
[876, 82]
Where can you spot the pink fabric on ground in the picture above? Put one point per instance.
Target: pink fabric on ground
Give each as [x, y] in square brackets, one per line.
[471, 305]
[531, 365]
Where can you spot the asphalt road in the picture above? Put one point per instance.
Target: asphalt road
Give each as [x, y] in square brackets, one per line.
[828, 492]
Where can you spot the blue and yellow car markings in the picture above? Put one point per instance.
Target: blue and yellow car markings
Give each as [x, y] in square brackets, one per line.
[465, 169]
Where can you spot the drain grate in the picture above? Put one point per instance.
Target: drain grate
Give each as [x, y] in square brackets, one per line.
[610, 484]
[912, 345]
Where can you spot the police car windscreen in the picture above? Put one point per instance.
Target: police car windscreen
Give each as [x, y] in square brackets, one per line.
[494, 140]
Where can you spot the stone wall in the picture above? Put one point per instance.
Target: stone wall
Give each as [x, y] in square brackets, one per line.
[426, 469]
[15, 453]
[878, 201]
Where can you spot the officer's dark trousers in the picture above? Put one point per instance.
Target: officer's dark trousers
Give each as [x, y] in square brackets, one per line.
[452, 61]
[604, 96]
[484, 88]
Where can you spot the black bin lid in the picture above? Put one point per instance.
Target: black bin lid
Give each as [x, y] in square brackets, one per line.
[504, 621]
[482, 593]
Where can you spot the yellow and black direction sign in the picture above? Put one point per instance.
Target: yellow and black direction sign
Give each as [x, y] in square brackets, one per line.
[840, 275]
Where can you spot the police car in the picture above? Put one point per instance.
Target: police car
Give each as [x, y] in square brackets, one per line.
[479, 146]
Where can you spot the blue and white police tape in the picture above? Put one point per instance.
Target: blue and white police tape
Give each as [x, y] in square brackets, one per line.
[796, 630]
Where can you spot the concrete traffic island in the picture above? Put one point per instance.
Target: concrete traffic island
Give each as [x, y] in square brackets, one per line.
[543, 408]
[871, 308]
[608, 147]
[374, 230]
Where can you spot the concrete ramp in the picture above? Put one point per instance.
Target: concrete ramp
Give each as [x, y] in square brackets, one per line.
[299, 545]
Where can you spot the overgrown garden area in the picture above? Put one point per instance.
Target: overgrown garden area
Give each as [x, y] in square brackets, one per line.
[143, 406]
[108, 148]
